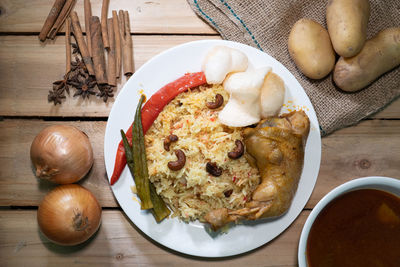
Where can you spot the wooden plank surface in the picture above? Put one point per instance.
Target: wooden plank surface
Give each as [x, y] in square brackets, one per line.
[146, 16]
[371, 148]
[119, 243]
[28, 69]
[18, 184]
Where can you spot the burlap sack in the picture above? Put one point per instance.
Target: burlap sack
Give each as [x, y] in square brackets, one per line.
[265, 24]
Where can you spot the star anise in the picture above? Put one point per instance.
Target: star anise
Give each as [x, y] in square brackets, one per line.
[78, 65]
[56, 96]
[75, 49]
[84, 85]
[106, 91]
[62, 84]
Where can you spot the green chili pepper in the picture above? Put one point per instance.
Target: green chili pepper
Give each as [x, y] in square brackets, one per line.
[137, 163]
[139, 159]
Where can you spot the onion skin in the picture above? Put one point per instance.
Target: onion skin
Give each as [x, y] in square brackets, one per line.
[61, 154]
[69, 215]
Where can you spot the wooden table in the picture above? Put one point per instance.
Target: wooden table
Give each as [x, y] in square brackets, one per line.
[27, 70]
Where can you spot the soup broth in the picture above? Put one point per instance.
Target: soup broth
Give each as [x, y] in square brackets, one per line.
[359, 228]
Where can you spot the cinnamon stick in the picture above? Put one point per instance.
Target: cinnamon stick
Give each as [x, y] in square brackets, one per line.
[68, 45]
[81, 43]
[68, 6]
[117, 36]
[111, 77]
[104, 11]
[88, 14]
[51, 18]
[127, 49]
[98, 50]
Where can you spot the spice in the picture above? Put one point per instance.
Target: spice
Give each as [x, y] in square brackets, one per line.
[104, 33]
[127, 49]
[51, 18]
[61, 18]
[78, 78]
[75, 49]
[81, 43]
[88, 14]
[98, 51]
[87, 73]
[85, 85]
[56, 95]
[62, 84]
[111, 76]
[117, 36]
[68, 46]
[77, 67]
[106, 91]
[59, 89]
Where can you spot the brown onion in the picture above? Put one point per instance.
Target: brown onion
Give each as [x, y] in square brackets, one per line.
[69, 215]
[61, 154]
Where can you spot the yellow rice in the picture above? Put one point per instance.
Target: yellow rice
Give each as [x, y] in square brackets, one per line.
[191, 192]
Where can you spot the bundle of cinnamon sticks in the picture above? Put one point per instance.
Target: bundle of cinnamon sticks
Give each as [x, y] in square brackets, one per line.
[113, 35]
[106, 38]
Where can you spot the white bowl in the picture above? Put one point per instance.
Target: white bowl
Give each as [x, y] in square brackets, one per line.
[390, 185]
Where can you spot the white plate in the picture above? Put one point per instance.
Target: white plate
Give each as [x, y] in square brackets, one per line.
[192, 238]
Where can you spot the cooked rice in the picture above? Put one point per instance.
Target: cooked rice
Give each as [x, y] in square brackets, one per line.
[191, 192]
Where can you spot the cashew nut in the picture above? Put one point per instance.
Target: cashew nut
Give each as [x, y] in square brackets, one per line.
[168, 140]
[219, 100]
[238, 151]
[179, 163]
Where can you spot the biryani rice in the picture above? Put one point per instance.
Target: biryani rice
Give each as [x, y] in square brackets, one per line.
[192, 192]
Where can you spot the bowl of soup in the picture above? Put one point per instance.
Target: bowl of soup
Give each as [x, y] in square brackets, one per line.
[356, 224]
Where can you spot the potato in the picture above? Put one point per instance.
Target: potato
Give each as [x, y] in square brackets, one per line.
[379, 55]
[347, 25]
[311, 49]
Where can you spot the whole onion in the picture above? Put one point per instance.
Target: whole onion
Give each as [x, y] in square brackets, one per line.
[69, 215]
[61, 154]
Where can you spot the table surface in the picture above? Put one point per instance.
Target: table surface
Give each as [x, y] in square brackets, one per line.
[27, 70]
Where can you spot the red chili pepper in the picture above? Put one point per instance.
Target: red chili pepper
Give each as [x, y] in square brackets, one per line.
[152, 108]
